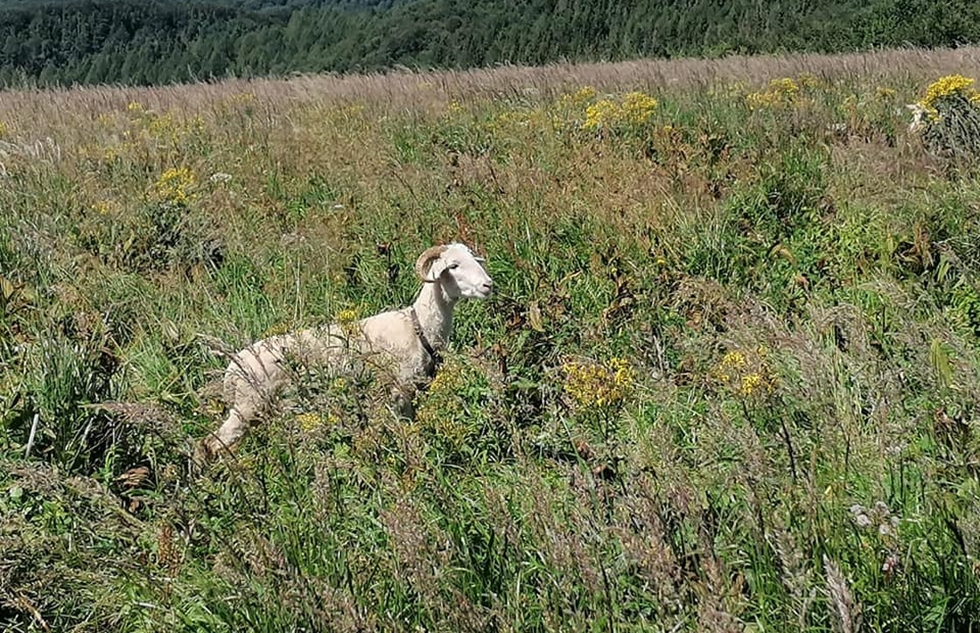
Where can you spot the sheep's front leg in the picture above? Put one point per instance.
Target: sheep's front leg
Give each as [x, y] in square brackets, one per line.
[228, 435]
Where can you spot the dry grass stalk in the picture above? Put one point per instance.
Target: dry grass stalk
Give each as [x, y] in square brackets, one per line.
[845, 611]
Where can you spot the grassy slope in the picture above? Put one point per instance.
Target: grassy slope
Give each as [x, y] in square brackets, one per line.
[791, 443]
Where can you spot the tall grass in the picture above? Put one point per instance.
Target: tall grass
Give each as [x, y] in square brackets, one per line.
[729, 380]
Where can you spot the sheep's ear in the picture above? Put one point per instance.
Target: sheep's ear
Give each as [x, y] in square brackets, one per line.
[428, 262]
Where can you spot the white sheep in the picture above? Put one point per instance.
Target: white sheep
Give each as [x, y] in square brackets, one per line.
[401, 346]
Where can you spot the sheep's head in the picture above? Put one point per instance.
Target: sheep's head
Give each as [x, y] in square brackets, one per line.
[457, 269]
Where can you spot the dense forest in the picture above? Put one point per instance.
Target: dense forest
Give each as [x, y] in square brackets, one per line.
[151, 42]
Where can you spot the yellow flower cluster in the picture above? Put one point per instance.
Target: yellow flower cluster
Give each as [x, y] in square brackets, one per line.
[807, 81]
[174, 186]
[598, 385]
[949, 86]
[443, 408]
[745, 373]
[638, 107]
[508, 118]
[635, 108]
[347, 315]
[580, 97]
[780, 93]
[162, 127]
[348, 321]
[169, 127]
[600, 114]
[310, 421]
[785, 85]
[445, 381]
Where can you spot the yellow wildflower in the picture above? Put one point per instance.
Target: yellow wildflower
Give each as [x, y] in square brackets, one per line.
[635, 108]
[601, 114]
[781, 92]
[347, 315]
[309, 421]
[751, 383]
[807, 80]
[745, 373]
[164, 128]
[597, 385]
[348, 321]
[948, 86]
[174, 186]
[638, 107]
[581, 96]
[446, 380]
[734, 359]
[785, 86]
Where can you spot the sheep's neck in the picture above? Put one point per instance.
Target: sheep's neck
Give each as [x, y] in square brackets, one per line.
[435, 312]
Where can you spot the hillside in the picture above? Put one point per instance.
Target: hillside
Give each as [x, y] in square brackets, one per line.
[728, 378]
[155, 42]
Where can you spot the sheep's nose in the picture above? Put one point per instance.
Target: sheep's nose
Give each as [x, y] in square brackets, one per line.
[488, 284]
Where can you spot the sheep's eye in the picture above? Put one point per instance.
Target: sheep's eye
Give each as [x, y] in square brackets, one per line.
[453, 266]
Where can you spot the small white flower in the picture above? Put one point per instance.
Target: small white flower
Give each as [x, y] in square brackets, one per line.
[220, 177]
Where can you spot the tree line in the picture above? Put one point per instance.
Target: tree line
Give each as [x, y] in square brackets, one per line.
[157, 42]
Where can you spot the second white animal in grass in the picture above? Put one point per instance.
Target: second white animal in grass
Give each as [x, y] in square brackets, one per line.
[402, 345]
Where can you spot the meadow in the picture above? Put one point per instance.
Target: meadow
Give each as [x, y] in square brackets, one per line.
[728, 379]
